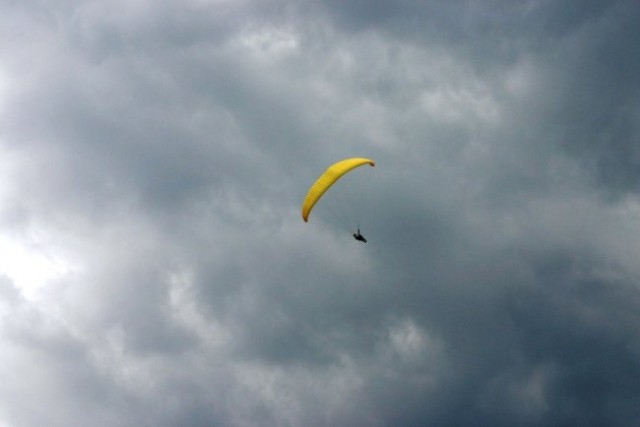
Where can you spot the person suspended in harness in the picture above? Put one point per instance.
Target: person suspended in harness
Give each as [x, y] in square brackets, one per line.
[359, 237]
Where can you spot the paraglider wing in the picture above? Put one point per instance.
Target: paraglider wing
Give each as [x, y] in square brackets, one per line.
[327, 179]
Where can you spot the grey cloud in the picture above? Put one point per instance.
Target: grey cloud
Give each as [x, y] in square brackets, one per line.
[165, 151]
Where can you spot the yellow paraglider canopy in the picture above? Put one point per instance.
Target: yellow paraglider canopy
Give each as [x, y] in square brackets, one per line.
[327, 179]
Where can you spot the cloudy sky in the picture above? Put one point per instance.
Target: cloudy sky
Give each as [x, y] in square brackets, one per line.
[154, 268]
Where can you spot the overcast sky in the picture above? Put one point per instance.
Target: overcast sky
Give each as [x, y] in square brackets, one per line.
[154, 267]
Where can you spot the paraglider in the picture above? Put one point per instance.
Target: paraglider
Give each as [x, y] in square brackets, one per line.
[359, 237]
[326, 180]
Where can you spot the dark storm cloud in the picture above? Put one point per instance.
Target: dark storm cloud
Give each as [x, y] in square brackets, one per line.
[597, 97]
[587, 53]
[162, 151]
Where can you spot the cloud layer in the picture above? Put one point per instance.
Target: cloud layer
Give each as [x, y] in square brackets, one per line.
[155, 267]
